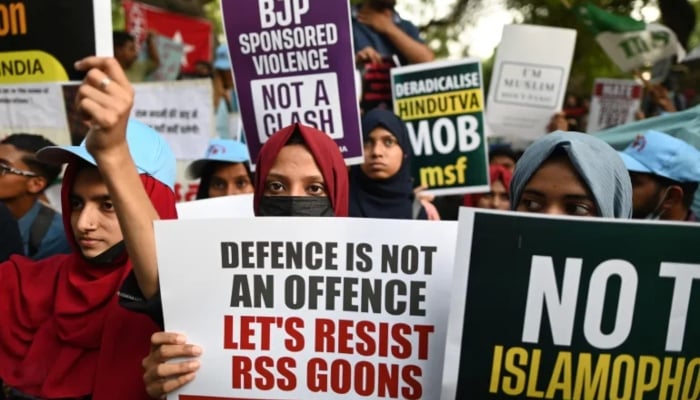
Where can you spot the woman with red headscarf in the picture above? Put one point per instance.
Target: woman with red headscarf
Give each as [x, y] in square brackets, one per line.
[499, 196]
[300, 172]
[62, 331]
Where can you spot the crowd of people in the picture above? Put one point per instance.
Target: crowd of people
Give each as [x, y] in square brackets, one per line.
[63, 332]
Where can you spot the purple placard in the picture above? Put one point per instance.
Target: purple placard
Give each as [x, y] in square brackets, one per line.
[293, 61]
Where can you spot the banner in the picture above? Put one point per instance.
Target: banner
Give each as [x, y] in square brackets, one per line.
[40, 41]
[575, 308]
[614, 102]
[442, 104]
[529, 80]
[179, 110]
[628, 42]
[309, 308]
[293, 62]
[36, 108]
[194, 34]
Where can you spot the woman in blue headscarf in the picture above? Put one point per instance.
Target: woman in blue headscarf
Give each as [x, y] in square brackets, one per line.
[571, 173]
[382, 186]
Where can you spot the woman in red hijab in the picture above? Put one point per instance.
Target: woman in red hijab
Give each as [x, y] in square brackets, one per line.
[63, 334]
[499, 196]
[300, 172]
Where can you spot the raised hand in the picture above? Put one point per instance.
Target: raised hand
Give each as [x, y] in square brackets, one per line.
[104, 99]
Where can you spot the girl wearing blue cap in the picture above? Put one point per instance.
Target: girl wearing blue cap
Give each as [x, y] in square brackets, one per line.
[63, 334]
[223, 171]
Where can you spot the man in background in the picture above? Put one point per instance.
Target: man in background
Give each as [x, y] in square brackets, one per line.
[383, 40]
[126, 53]
[665, 172]
[23, 180]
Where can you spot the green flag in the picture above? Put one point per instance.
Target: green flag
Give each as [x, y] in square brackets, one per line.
[629, 43]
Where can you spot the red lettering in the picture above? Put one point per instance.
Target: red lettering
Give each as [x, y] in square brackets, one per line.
[241, 377]
[341, 376]
[364, 378]
[414, 389]
[424, 332]
[247, 331]
[265, 323]
[383, 339]
[266, 379]
[229, 343]
[285, 366]
[402, 348]
[191, 193]
[367, 345]
[315, 381]
[324, 335]
[345, 336]
[296, 338]
[388, 380]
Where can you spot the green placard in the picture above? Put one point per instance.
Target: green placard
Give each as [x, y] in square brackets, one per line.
[442, 104]
[579, 309]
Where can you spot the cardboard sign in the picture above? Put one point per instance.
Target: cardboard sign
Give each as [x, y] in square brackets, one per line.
[309, 308]
[614, 102]
[442, 104]
[529, 80]
[293, 62]
[575, 308]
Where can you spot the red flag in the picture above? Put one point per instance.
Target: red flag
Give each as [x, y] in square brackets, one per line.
[195, 34]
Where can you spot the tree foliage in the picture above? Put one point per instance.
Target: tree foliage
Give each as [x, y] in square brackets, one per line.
[589, 60]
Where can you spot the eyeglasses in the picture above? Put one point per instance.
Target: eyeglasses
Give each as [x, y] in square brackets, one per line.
[6, 169]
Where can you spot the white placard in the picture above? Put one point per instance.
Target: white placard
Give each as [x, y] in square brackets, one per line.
[529, 80]
[34, 108]
[614, 102]
[238, 206]
[310, 308]
[181, 111]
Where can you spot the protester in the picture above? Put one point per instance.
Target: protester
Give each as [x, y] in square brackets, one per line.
[225, 100]
[571, 173]
[11, 242]
[382, 186]
[126, 53]
[300, 172]
[498, 198]
[382, 40]
[23, 181]
[63, 334]
[504, 155]
[223, 171]
[665, 172]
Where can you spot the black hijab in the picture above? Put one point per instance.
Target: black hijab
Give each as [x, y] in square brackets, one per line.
[386, 198]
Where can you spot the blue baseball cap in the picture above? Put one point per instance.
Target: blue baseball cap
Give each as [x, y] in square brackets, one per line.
[221, 60]
[663, 155]
[149, 150]
[222, 150]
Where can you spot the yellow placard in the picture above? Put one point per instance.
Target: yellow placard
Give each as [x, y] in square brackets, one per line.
[30, 66]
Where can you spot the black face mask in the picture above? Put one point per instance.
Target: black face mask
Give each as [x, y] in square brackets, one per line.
[108, 256]
[295, 206]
